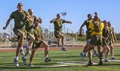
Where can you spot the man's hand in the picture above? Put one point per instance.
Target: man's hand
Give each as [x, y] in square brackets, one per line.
[96, 13]
[80, 35]
[104, 38]
[28, 18]
[113, 40]
[4, 28]
[70, 22]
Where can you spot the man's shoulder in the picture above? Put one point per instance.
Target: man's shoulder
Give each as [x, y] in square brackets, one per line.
[34, 16]
[54, 19]
[15, 11]
[24, 11]
[88, 21]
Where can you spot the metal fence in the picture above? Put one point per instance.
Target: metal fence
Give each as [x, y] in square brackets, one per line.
[48, 32]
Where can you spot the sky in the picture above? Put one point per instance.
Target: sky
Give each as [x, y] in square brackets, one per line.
[76, 10]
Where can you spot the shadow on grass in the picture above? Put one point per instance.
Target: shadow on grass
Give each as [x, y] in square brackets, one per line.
[103, 65]
[47, 65]
[32, 68]
[35, 66]
[64, 56]
[20, 67]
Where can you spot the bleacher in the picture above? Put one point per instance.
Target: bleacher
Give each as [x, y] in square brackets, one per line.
[48, 32]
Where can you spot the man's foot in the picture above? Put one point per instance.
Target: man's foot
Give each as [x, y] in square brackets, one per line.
[21, 52]
[30, 65]
[106, 60]
[64, 48]
[16, 62]
[100, 63]
[113, 58]
[89, 63]
[49, 42]
[82, 55]
[24, 60]
[47, 60]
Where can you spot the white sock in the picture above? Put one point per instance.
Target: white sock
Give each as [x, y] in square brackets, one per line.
[46, 57]
[16, 57]
[21, 48]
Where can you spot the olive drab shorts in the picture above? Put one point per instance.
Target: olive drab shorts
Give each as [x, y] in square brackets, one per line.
[58, 34]
[37, 43]
[16, 31]
[96, 40]
[105, 42]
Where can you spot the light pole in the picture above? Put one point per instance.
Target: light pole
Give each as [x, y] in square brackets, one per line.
[64, 14]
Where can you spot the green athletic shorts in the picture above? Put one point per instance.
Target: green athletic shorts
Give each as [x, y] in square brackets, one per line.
[16, 31]
[37, 43]
[58, 34]
[30, 32]
[96, 40]
[105, 42]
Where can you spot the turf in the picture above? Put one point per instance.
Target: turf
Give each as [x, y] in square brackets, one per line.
[61, 61]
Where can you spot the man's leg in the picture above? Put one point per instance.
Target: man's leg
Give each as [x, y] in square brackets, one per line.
[58, 42]
[83, 54]
[104, 50]
[106, 54]
[31, 39]
[44, 44]
[85, 47]
[31, 57]
[20, 43]
[28, 48]
[90, 54]
[62, 41]
[112, 52]
[100, 54]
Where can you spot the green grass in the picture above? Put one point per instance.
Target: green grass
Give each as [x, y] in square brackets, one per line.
[58, 58]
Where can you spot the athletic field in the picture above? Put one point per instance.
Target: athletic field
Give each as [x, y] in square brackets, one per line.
[61, 61]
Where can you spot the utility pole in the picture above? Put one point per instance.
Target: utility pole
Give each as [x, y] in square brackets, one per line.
[64, 14]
